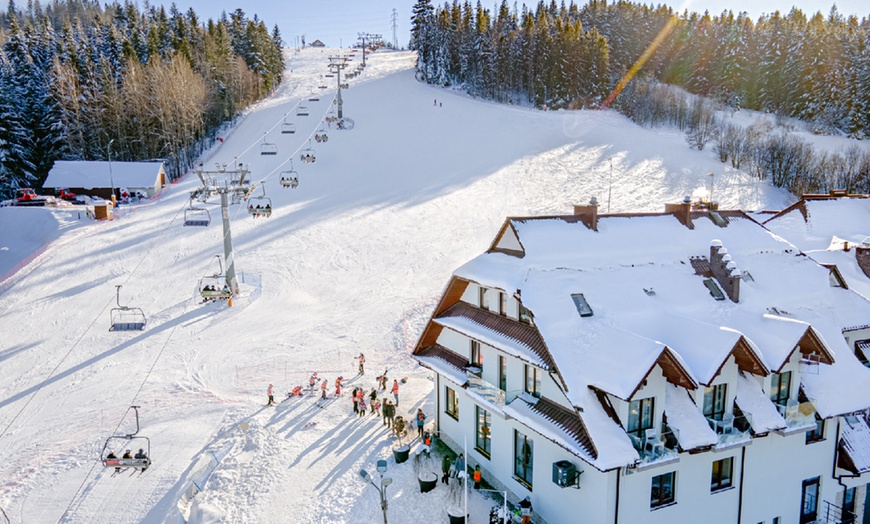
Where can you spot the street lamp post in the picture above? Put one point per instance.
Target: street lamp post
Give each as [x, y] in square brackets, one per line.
[111, 178]
[382, 489]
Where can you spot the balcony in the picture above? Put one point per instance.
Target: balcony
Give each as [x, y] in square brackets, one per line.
[487, 392]
[731, 430]
[656, 449]
[799, 416]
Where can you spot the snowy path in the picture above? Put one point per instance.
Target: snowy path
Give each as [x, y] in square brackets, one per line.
[351, 261]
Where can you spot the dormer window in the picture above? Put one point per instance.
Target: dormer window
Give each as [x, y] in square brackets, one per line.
[714, 401]
[476, 354]
[502, 303]
[780, 388]
[641, 415]
[525, 315]
[483, 298]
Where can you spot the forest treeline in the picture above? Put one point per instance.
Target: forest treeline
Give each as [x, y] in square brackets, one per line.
[815, 68]
[80, 81]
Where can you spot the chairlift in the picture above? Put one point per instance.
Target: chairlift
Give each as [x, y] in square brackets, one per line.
[124, 318]
[262, 207]
[290, 178]
[329, 75]
[314, 98]
[302, 111]
[215, 286]
[320, 135]
[322, 86]
[288, 128]
[196, 216]
[345, 86]
[125, 444]
[307, 155]
[268, 148]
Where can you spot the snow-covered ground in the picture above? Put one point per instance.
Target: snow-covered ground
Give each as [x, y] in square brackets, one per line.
[351, 261]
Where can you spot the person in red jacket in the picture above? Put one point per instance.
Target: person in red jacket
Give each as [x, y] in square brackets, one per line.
[396, 391]
[271, 396]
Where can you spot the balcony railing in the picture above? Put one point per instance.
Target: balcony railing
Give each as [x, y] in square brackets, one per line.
[654, 447]
[797, 415]
[486, 391]
[732, 429]
[834, 514]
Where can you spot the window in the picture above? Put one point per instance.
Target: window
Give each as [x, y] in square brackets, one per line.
[780, 388]
[502, 303]
[483, 442]
[533, 381]
[721, 477]
[525, 315]
[809, 500]
[848, 506]
[714, 401]
[776, 520]
[640, 416]
[483, 298]
[662, 492]
[502, 373]
[476, 354]
[523, 453]
[451, 403]
[817, 434]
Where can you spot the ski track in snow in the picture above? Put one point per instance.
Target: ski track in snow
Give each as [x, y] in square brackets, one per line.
[352, 261]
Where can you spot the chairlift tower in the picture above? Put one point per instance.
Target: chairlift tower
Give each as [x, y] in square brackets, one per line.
[372, 38]
[336, 64]
[225, 182]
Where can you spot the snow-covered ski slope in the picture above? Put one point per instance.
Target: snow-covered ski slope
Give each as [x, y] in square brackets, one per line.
[351, 261]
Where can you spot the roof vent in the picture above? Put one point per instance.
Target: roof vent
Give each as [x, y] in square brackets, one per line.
[581, 305]
[687, 199]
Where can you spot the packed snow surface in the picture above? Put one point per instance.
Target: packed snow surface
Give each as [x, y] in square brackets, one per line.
[351, 261]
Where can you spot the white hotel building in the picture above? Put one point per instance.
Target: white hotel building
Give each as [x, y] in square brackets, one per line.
[685, 366]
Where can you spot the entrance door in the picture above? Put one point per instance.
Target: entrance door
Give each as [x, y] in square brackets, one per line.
[810, 500]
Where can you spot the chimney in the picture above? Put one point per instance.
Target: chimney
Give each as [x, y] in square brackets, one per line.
[725, 270]
[588, 214]
[683, 211]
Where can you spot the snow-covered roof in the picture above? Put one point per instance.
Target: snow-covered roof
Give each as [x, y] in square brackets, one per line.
[684, 416]
[101, 174]
[647, 301]
[855, 444]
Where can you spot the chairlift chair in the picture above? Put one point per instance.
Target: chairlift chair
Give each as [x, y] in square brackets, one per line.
[288, 128]
[323, 86]
[268, 148]
[196, 216]
[260, 206]
[314, 98]
[302, 111]
[215, 286]
[307, 155]
[329, 76]
[124, 318]
[290, 178]
[128, 442]
[320, 135]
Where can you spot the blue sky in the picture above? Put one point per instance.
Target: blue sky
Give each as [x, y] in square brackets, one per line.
[337, 22]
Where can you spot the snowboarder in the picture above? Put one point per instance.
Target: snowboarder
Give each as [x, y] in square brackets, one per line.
[271, 396]
[476, 477]
[396, 391]
[421, 420]
[362, 364]
[445, 469]
[526, 510]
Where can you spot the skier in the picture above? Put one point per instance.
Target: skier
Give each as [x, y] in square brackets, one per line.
[112, 456]
[141, 455]
[362, 407]
[126, 455]
[362, 363]
[312, 381]
[271, 396]
[355, 400]
[396, 391]
[338, 386]
[323, 390]
[376, 407]
[421, 419]
[382, 381]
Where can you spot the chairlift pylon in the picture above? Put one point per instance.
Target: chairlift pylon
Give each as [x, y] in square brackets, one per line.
[215, 286]
[290, 178]
[142, 459]
[307, 155]
[288, 128]
[268, 148]
[124, 318]
[263, 205]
